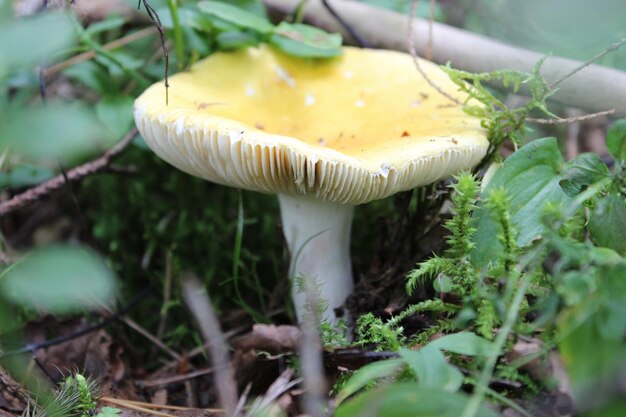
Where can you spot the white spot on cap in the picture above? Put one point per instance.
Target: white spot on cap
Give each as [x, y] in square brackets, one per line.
[283, 75]
[309, 100]
[359, 103]
[416, 103]
[250, 91]
[384, 169]
[348, 74]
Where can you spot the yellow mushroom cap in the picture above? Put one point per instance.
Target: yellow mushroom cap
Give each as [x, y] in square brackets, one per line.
[352, 129]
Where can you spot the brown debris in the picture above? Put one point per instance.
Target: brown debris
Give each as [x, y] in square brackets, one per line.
[269, 338]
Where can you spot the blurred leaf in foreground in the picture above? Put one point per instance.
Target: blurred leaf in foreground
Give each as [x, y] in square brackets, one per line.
[59, 279]
[24, 42]
[53, 132]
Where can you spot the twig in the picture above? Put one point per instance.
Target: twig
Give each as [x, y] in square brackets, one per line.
[608, 50]
[159, 406]
[198, 302]
[89, 168]
[85, 56]
[357, 38]
[156, 21]
[413, 50]
[431, 19]
[33, 347]
[570, 119]
[135, 407]
[175, 378]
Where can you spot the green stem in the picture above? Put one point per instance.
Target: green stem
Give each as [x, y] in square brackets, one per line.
[179, 44]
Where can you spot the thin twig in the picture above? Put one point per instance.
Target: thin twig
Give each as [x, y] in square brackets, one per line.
[431, 19]
[135, 407]
[33, 347]
[608, 50]
[89, 168]
[156, 21]
[570, 119]
[357, 38]
[413, 50]
[198, 302]
[175, 378]
[86, 56]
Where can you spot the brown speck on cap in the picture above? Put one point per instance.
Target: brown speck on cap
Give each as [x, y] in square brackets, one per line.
[405, 134]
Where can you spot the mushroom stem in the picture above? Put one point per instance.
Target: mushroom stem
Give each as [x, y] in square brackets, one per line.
[318, 236]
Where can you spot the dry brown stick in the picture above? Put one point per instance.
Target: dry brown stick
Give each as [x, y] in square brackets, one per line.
[86, 56]
[175, 378]
[198, 302]
[594, 89]
[89, 168]
[413, 50]
[134, 407]
[570, 119]
[431, 20]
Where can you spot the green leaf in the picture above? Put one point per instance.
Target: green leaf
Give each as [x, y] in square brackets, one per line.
[59, 279]
[616, 140]
[53, 132]
[369, 373]
[116, 113]
[463, 343]
[237, 16]
[607, 224]
[93, 76]
[110, 23]
[252, 6]
[531, 179]
[432, 369]
[22, 44]
[234, 39]
[188, 17]
[582, 171]
[408, 400]
[24, 175]
[306, 41]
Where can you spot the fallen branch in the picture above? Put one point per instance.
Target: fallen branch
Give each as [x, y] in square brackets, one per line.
[594, 88]
[89, 168]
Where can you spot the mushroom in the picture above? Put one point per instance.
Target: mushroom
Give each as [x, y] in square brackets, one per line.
[325, 135]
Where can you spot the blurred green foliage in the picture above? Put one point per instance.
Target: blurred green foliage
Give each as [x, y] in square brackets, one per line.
[577, 29]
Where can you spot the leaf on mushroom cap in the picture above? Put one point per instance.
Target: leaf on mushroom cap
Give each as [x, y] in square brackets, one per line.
[351, 129]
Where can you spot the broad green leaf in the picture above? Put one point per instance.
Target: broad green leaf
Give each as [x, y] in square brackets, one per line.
[24, 174]
[531, 179]
[616, 140]
[234, 39]
[22, 44]
[582, 171]
[188, 17]
[306, 41]
[607, 223]
[432, 369]
[116, 113]
[110, 23]
[408, 400]
[52, 132]
[253, 6]
[93, 76]
[237, 16]
[463, 343]
[369, 373]
[59, 279]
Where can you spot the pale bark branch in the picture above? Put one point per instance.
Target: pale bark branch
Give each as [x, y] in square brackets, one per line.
[594, 88]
